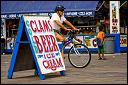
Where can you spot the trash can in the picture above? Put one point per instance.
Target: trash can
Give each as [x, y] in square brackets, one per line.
[2, 45]
[109, 44]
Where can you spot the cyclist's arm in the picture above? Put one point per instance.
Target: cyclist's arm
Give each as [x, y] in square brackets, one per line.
[69, 24]
[60, 24]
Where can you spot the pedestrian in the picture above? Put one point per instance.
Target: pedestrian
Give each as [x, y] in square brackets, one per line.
[57, 21]
[100, 43]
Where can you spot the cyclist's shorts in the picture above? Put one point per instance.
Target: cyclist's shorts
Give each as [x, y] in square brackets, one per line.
[56, 31]
[59, 36]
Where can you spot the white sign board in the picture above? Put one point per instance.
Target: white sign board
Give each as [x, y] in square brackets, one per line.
[44, 43]
[114, 17]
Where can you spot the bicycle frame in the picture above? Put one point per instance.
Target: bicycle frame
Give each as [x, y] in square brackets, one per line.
[70, 40]
[67, 43]
[74, 50]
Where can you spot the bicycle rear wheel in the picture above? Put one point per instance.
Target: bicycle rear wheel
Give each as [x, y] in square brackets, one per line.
[79, 56]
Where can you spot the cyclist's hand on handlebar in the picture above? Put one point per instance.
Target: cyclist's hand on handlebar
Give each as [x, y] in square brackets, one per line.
[68, 29]
[77, 29]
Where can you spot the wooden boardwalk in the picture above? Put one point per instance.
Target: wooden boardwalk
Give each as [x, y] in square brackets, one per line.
[110, 71]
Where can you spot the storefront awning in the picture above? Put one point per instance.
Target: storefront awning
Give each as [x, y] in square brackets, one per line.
[20, 7]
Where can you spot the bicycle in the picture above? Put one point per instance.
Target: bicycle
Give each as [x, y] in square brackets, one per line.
[78, 55]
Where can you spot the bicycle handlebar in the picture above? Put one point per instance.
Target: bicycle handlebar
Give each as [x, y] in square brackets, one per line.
[73, 32]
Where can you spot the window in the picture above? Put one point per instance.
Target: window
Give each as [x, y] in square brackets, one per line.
[12, 27]
[86, 24]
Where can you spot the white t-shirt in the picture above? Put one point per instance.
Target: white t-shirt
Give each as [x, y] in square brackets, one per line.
[56, 17]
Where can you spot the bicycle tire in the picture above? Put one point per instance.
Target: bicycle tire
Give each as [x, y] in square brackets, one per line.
[84, 57]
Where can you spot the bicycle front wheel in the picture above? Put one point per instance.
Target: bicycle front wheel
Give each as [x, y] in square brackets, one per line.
[79, 56]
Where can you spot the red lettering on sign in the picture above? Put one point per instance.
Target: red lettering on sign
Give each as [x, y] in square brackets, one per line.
[47, 43]
[32, 23]
[40, 48]
[52, 42]
[44, 42]
[59, 62]
[46, 27]
[55, 48]
[50, 24]
[45, 64]
[38, 26]
[52, 64]
[37, 29]
[41, 27]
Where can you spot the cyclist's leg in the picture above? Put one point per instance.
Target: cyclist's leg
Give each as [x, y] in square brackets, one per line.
[60, 38]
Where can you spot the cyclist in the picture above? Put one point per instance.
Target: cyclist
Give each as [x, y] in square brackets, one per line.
[57, 21]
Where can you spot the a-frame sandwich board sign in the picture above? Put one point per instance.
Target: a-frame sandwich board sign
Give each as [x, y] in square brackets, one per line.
[36, 48]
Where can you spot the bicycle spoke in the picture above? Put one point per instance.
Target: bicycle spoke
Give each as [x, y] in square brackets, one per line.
[76, 51]
[79, 57]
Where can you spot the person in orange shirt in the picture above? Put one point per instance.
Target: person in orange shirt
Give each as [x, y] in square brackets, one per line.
[100, 43]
